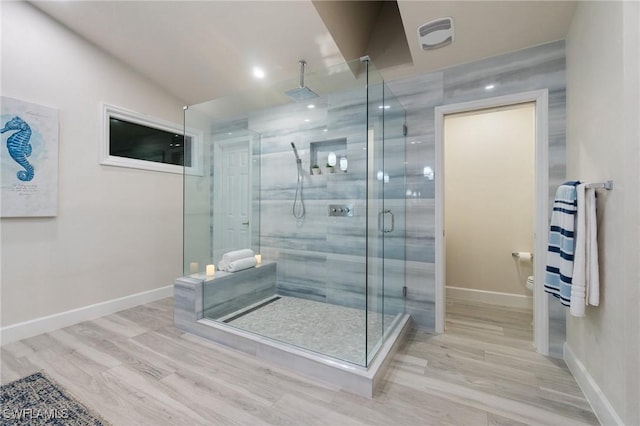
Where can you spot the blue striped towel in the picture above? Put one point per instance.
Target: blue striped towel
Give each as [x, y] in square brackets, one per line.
[557, 280]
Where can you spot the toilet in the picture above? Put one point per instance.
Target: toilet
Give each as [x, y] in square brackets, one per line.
[530, 283]
[524, 259]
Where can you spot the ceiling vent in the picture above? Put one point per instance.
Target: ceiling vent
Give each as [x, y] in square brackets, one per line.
[436, 34]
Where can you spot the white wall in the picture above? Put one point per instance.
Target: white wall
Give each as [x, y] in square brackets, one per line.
[603, 142]
[118, 231]
[490, 201]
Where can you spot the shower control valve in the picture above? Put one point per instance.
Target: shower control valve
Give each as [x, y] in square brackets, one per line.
[345, 210]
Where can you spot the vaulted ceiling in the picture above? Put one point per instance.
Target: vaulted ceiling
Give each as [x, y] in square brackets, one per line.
[200, 50]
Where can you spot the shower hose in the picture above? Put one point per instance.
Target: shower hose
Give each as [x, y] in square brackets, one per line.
[298, 204]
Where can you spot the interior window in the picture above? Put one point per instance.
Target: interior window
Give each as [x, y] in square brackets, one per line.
[134, 140]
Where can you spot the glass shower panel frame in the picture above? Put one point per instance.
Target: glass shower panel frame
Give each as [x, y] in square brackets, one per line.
[197, 201]
[375, 211]
[204, 208]
[336, 260]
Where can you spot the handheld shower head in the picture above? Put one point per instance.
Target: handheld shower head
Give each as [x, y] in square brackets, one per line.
[295, 152]
[298, 204]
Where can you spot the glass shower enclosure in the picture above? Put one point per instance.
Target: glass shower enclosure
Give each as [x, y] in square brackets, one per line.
[312, 179]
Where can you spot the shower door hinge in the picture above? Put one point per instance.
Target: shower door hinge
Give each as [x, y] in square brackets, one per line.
[405, 130]
[404, 291]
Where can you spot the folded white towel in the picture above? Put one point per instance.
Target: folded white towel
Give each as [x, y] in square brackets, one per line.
[240, 264]
[232, 256]
[237, 254]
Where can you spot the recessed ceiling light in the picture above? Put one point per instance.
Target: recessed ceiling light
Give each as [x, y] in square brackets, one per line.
[384, 106]
[306, 120]
[489, 86]
[311, 106]
[258, 72]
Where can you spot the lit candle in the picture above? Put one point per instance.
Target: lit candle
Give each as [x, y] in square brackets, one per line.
[258, 259]
[193, 267]
[211, 270]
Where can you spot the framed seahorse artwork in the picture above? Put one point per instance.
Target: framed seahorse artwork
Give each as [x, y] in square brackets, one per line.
[28, 159]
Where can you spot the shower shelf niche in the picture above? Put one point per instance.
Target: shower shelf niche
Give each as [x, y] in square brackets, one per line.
[319, 152]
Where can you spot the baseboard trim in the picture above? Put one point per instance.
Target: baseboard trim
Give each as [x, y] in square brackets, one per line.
[26, 329]
[597, 399]
[490, 297]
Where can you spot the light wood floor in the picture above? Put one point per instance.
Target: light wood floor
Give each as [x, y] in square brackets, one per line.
[135, 368]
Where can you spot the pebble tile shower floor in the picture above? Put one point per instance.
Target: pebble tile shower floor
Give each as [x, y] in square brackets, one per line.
[333, 330]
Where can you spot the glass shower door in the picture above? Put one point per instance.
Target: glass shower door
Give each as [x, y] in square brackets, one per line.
[386, 211]
[394, 210]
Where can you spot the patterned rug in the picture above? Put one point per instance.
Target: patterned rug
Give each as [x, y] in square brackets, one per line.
[38, 400]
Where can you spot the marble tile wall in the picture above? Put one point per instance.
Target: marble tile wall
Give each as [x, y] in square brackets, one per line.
[323, 258]
[540, 67]
[319, 257]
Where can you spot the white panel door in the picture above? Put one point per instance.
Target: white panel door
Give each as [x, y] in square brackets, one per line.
[235, 199]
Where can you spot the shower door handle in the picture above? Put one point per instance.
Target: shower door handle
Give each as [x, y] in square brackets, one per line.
[245, 223]
[382, 222]
[393, 221]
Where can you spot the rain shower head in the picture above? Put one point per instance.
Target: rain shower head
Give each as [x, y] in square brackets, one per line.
[301, 93]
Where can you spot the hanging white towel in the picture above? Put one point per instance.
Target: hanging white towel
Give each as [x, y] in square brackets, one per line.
[592, 270]
[231, 256]
[578, 283]
[585, 287]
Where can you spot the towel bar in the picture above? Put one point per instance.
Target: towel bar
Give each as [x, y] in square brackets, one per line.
[608, 185]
